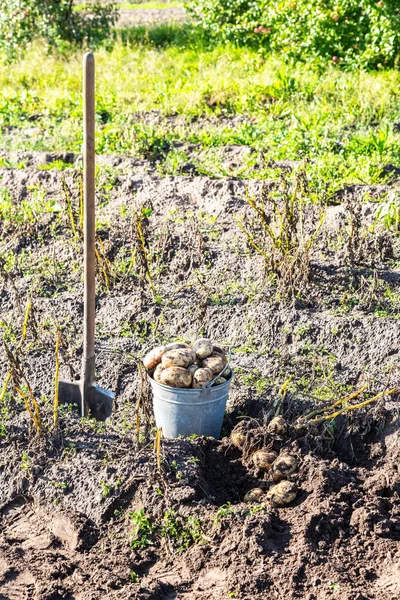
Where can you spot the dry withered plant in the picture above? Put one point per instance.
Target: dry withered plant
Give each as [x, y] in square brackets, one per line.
[364, 245]
[141, 257]
[283, 232]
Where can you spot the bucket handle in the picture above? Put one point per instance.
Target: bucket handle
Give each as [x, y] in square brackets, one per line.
[209, 384]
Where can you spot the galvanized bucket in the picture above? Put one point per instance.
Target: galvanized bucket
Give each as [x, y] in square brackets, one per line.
[184, 412]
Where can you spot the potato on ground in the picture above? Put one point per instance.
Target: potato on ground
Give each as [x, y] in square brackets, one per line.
[202, 376]
[277, 426]
[203, 348]
[153, 357]
[263, 459]
[181, 357]
[238, 439]
[284, 466]
[215, 362]
[254, 495]
[282, 494]
[177, 377]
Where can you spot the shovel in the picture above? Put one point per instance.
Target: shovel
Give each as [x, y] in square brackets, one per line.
[90, 399]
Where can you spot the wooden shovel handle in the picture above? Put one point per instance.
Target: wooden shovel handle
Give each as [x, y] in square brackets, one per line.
[89, 233]
[89, 222]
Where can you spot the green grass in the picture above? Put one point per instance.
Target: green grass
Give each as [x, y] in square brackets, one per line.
[343, 122]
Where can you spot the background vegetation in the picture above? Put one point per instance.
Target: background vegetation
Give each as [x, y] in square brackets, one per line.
[179, 94]
[351, 32]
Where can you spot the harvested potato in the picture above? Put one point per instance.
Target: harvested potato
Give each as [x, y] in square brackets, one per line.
[220, 381]
[176, 346]
[202, 376]
[277, 426]
[238, 439]
[218, 350]
[284, 466]
[181, 357]
[254, 495]
[227, 373]
[157, 373]
[215, 362]
[153, 357]
[193, 369]
[177, 377]
[282, 494]
[203, 348]
[263, 459]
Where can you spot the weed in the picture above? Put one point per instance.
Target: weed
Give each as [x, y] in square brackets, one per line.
[105, 488]
[222, 512]
[182, 532]
[388, 214]
[134, 577]
[144, 529]
[25, 461]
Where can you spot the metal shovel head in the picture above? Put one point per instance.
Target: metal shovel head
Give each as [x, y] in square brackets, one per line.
[100, 401]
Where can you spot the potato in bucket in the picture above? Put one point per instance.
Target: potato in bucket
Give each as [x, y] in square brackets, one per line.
[189, 397]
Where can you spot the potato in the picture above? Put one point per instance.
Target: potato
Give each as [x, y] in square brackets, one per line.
[263, 459]
[176, 346]
[203, 348]
[254, 495]
[227, 373]
[284, 466]
[181, 357]
[219, 381]
[277, 426]
[282, 494]
[157, 373]
[153, 357]
[215, 362]
[176, 377]
[193, 369]
[238, 439]
[201, 377]
[218, 350]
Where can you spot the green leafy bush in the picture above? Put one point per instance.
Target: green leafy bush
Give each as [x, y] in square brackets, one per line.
[347, 32]
[54, 21]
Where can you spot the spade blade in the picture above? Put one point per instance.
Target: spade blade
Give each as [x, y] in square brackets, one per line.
[100, 400]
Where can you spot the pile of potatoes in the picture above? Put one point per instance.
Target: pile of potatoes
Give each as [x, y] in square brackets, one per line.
[280, 469]
[179, 365]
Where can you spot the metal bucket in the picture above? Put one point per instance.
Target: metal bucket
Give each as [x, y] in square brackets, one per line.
[184, 412]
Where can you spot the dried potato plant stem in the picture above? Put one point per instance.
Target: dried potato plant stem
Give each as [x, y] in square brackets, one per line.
[355, 406]
[30, 399]
[157, 447]
[337, 403]
[24, 332]
[5, 386]
[282, 395]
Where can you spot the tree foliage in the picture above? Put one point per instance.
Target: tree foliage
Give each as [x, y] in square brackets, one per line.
[56, 22]
[348, 32]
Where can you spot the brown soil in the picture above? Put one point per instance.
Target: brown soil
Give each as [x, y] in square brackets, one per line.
[67, 500]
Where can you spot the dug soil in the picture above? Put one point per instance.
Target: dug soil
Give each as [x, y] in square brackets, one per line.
[88, 510]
